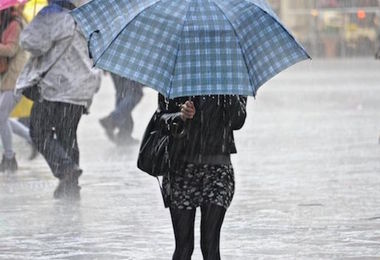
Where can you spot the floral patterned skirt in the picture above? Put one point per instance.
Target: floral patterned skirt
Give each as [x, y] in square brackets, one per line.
[196, 185]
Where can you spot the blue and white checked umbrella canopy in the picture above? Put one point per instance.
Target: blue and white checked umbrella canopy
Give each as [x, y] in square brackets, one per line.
[189, 47]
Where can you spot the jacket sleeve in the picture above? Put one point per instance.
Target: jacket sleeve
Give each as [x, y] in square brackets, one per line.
[238, 112]
[44, 30]
[169, 115]
[10, 46]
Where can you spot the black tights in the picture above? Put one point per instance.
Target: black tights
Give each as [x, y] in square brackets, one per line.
[212, 217]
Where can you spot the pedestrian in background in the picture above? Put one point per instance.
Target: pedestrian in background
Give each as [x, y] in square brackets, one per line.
[60, 68]
[119, 123]
[377, 24]
[12, 60]
[377, 54]
[202, 175]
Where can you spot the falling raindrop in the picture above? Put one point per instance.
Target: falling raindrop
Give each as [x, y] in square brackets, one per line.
[54, 133]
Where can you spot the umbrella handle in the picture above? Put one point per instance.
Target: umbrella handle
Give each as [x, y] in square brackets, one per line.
[89, 41]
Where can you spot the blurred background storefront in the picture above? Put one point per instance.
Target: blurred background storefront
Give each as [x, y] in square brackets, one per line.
[333, 28]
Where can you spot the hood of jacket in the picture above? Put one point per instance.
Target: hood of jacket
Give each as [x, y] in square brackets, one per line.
[57, 6]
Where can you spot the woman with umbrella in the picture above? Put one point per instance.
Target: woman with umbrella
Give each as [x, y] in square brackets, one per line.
[204, 57]
[202, 175]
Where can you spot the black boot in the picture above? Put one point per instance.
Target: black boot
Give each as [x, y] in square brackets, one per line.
[109, 126]
[68, 186]
[33, 155]
[8, 165]
[125, 139]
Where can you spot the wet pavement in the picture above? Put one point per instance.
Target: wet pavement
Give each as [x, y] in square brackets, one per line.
[307, 174]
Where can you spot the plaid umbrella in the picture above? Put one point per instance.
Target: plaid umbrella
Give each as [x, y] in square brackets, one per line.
[189, 47]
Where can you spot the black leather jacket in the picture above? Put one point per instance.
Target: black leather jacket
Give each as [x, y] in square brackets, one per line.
[208, 137]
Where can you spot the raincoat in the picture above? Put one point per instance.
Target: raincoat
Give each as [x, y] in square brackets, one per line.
[53, 36]
[9, 48]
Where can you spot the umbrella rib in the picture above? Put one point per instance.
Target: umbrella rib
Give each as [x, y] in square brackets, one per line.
[283, 27]
[271, 16]
[123, 27]
[176, 56]
[241, 49]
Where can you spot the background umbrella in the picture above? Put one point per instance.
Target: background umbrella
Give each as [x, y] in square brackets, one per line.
[189, 47]
[4, 4]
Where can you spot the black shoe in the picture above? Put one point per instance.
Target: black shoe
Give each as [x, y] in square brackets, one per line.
[8, 165]
[126, 140]
[68, 186]
[67, 191]
[377, 55]
[109, 126]
[33, 155]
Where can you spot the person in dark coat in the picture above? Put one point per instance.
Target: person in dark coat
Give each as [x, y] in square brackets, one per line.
[201, 174]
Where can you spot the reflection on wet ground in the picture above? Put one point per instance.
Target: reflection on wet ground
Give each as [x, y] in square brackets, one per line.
[307, 178]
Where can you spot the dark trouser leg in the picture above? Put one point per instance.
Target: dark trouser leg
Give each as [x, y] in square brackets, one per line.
[66, 129]
[128, 95]
[211, 223]
[53, 130]
[183, 225]
[117, 83]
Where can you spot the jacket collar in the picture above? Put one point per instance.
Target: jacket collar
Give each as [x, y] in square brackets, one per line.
[57, 6]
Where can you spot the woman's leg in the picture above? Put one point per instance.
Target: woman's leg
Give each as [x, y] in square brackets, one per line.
[20, 130]
[7, 103]
[211, 223]
[183, 226]
[6, 137]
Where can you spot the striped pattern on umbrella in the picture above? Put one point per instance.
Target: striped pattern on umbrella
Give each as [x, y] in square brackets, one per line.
[189, 47]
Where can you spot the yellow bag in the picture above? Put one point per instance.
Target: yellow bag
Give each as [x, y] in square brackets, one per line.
[32, 8]
[23, 108]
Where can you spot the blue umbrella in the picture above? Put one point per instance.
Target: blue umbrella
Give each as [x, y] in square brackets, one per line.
[189, 47]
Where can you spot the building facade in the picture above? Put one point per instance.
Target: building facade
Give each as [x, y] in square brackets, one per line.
[333, 28]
